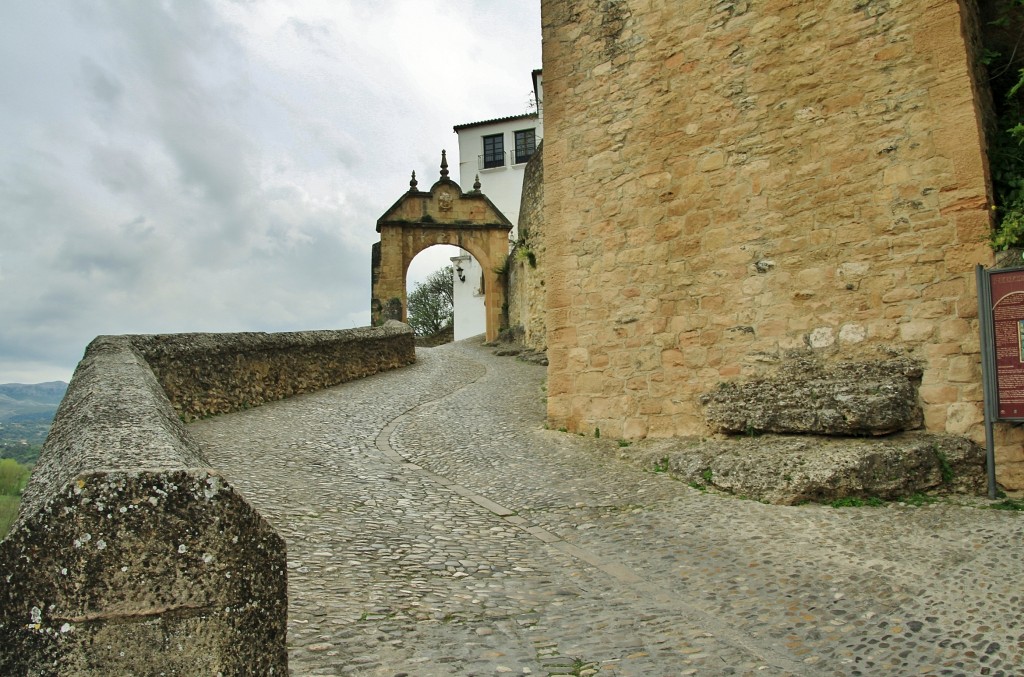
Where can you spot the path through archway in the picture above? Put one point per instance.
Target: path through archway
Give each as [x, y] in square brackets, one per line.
[442, 215]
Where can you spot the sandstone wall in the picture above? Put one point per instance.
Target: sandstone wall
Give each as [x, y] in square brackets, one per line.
[130, 555]
[527, 294]
[208, 374]
[730, 182]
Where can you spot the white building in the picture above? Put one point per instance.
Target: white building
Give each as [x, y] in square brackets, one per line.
[495, 152]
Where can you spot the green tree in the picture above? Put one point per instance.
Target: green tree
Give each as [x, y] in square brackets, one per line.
[431, 305]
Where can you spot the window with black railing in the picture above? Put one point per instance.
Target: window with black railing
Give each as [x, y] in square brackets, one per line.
[526, 145]
[494, 151]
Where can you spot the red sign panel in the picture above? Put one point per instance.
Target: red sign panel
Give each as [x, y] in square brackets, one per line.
[1008, 323]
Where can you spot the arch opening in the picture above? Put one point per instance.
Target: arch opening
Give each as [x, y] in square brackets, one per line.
[430, 295]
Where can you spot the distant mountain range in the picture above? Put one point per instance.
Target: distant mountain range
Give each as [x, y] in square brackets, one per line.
[20, 402]
[26, 412]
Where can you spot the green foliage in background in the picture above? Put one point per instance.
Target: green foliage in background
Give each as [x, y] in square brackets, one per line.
[1004, 58]
[13, 477]
[431, 305]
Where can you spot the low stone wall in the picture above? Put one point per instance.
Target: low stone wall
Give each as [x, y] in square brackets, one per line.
[208, 374]
[130, 554]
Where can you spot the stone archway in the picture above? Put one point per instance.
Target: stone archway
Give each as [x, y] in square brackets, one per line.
[442, 215]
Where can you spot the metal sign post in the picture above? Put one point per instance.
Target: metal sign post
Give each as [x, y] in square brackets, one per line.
[1001, 324]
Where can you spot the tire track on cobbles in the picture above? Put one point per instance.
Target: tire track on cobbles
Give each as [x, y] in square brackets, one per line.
[434, 411]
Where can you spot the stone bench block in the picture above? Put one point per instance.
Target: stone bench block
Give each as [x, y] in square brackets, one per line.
[807, 397]
[788, 469]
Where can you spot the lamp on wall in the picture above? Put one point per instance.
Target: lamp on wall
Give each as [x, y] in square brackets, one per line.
[461, 273]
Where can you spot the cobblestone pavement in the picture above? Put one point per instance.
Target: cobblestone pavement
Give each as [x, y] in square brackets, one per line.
[435, 528]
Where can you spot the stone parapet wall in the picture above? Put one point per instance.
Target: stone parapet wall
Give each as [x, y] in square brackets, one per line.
[130, 555]
[527, 297]
[729, 182]
[209, 374]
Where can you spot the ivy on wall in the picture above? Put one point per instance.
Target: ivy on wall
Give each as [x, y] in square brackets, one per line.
[1004, 58]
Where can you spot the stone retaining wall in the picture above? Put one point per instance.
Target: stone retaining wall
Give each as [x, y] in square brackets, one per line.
[528, 264]
[130, 554]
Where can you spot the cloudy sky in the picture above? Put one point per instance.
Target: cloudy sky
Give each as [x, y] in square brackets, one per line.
[219, 165]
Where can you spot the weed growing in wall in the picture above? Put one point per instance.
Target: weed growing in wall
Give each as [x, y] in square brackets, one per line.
[526, 254]
[944, 467]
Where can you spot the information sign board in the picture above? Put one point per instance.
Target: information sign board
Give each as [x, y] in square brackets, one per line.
[1007, 322]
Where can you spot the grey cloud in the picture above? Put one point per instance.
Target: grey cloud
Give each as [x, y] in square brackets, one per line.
[120, 169]
[165, 173]
[103, 85]
[315, 33]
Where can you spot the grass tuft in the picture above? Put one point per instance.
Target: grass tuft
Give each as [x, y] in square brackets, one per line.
[1008, 504]
[857, 502]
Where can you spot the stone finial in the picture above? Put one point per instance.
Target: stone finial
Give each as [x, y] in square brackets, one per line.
[444, 165]
[412, 182]
[476, 184]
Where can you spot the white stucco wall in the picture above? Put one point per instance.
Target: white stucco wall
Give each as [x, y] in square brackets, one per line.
[470, 318]
[502, 185]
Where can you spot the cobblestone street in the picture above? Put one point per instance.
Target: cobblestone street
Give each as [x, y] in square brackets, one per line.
[434, 527]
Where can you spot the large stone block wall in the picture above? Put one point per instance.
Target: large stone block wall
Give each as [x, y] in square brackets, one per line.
[527, 297]
[729, 182]
[208, 374]
[130, 555]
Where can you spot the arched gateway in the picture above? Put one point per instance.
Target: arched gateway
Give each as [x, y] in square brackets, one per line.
[442, 215]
